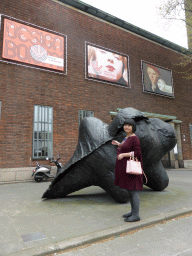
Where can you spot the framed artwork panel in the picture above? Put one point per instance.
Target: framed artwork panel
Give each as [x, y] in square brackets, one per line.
[157, 80]
[33, 46]
[104, 65]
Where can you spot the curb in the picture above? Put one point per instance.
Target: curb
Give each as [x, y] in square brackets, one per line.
[32, 179]
[102, 234]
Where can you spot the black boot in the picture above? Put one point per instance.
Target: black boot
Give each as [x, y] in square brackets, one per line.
[127, 215]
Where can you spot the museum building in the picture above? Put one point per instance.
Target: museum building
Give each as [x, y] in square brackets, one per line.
[64, 60]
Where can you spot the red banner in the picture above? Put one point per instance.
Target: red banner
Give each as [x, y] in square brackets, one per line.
[33, 46]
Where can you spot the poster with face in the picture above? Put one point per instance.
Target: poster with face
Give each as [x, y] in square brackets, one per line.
[105, 65]
[157, 80]
[31, 45]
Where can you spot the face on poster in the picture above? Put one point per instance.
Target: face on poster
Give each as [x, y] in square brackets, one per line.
[157, 80]
[107, 66]
[32, 46]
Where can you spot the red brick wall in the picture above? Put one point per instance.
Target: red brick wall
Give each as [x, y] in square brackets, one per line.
[21, 88]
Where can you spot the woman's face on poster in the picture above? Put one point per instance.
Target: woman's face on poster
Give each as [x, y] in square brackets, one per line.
[152, 75]
[109, 65]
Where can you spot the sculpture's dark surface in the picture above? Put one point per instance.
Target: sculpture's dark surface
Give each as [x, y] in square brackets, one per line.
[93, 162]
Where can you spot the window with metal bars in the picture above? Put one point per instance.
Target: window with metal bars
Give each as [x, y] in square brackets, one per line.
[190, 128]
[84, 113]
[43, 132]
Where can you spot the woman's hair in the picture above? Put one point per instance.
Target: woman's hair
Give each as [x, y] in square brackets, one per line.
[131, 122]
[91, 54]
[124, 60]
[154, 68]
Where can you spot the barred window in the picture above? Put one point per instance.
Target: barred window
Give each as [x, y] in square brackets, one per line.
[190, 127]
[43, 132]
[84, 113]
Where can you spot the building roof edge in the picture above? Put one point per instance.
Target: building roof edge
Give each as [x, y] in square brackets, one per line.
[125, 25]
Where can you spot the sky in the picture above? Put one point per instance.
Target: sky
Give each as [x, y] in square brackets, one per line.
[144, 14]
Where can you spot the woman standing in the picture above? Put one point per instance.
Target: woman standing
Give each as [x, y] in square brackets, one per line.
[129, 147]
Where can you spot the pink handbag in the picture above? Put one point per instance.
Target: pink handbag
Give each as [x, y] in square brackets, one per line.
[134, 167]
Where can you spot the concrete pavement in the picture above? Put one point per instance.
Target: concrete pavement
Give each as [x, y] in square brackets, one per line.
[32, 226]
[167, 238]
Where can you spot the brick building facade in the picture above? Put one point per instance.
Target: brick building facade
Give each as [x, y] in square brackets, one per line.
[24, 86]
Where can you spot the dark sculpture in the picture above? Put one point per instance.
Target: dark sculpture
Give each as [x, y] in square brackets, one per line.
[93, 162]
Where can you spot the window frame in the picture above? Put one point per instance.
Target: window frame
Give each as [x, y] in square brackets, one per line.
[84, 113]
[190, 131]
[42, 132]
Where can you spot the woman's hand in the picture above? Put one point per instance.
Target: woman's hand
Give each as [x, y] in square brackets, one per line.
[115, 142]
[93, 68]
[120, 156]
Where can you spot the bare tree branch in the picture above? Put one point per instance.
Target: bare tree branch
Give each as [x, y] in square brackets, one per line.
[180, 10]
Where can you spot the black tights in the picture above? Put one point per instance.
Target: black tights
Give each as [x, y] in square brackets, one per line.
[135, 202]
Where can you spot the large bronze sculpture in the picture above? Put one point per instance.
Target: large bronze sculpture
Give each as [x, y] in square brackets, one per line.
[93, 162]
